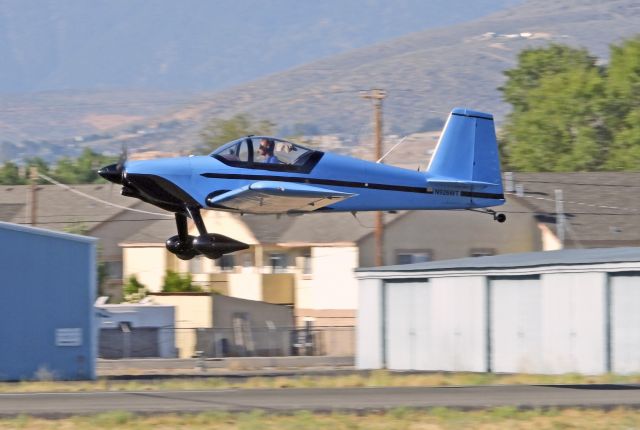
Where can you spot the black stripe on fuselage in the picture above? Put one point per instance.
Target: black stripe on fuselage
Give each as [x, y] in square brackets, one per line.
[349, 184]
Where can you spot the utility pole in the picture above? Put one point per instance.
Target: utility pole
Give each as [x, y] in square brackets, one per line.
[33, 179]
[560, 219]
[376, 95]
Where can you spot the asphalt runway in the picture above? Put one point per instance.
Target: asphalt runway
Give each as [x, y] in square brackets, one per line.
[321, 400]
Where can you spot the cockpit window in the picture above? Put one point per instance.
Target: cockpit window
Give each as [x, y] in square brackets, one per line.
[263, 152]
[237, 150]
[273, 151]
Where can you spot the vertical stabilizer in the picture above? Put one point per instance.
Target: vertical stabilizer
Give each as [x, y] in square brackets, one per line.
[467, 152]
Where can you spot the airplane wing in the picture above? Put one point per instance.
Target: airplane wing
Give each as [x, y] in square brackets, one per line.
[277, 197]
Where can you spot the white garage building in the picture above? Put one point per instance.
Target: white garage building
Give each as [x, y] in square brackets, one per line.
[543, 312]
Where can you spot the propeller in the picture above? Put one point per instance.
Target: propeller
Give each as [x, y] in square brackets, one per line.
[115, 172]
[122, 160]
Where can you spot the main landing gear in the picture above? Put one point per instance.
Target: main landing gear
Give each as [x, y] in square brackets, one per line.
[211, 245]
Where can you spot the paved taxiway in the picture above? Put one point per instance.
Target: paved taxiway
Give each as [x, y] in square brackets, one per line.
[62, 404]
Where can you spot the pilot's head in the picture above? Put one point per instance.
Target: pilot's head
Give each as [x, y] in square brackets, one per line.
[266, 147]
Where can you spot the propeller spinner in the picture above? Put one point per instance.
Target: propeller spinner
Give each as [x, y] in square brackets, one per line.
[115, 172]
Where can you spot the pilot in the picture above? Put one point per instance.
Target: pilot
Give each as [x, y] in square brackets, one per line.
[266, 149]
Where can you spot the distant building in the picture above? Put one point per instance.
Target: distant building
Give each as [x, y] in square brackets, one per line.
[47, 323]
[217, 325]
[136, 330]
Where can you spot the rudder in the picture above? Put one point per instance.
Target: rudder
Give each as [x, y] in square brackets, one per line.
[468, 151]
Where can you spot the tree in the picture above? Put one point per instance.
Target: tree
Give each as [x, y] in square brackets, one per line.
[10, 174]
[82, 170]
[536, 64]
[176, 283]
[623, 105]
[133, 290]
[557, 122]
[220, 131]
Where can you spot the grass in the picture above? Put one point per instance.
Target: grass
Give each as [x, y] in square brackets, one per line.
[400, 418]
[378, 378]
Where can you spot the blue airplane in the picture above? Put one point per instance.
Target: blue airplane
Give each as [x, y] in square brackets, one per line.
[267, 175]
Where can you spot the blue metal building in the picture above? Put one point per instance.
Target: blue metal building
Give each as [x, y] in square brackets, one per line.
[47, 291]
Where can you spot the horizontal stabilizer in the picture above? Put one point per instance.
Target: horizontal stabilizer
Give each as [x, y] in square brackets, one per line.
[269, 197]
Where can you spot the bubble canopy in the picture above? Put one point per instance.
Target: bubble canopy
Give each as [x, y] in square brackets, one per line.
[266, 151]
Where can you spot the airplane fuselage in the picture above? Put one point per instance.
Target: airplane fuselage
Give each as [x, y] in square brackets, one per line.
[375, 186]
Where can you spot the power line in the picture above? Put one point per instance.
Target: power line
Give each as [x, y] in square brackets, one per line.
[96, 221]
[589, 184]
[592, 205]
[88, 196]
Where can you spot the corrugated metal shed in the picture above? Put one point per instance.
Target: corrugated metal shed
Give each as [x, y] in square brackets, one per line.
[47, 292]
[545, 312]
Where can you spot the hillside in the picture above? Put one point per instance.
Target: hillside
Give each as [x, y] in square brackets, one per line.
[195, 45]
[425, 73]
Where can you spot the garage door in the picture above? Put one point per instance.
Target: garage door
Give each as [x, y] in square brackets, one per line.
[625, 323]
[516, 324]
[405, 323]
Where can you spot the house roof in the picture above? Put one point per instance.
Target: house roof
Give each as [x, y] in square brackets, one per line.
[328, 228]
[62, 209]
[319, 228]
[267, 228]
[601, 208]
[154, 232]
[563, 257]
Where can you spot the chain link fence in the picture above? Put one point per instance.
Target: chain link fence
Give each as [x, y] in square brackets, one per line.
[239, 341]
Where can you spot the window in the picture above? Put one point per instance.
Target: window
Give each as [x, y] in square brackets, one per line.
[113, 269]
[277, 262]
[227, 262]
[267, 153]
[234, 152]
[274, 151]
[306, 263]
[410, 257]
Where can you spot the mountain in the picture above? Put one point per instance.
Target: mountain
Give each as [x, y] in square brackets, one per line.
[196, 45]
[425, 73]
[429, 72]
